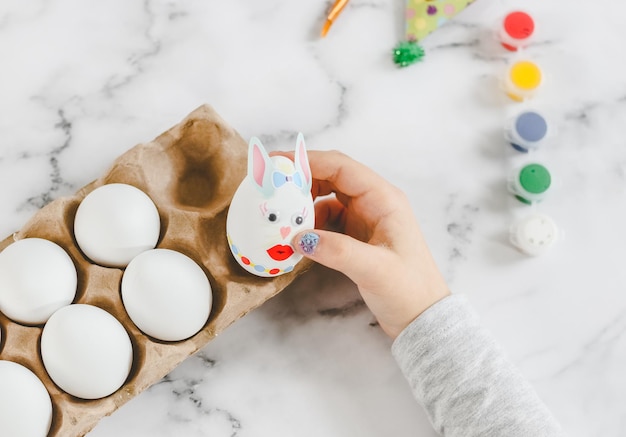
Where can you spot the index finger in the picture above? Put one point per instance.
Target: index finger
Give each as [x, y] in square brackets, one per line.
[357, 186]
[348, 176]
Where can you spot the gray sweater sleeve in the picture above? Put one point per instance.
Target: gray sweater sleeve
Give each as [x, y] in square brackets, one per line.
[461, 377]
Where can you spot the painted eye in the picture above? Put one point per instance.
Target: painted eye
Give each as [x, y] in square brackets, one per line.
[297, 219]
[272, 216]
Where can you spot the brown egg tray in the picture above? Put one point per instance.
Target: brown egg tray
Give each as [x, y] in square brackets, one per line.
[191, 173]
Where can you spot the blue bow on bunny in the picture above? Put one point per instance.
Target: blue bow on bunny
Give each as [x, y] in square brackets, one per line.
[279, 179]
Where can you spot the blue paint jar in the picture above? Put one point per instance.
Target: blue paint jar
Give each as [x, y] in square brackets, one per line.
[527, 131]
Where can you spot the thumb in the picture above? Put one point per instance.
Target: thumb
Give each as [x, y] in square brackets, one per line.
[363, 263]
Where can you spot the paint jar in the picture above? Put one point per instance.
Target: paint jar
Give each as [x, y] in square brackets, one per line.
[527, 131]
[535, 234]
[530, 183]
[516, 30]
[522, 80]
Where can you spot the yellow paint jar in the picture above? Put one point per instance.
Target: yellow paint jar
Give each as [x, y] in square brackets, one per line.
[523, 79]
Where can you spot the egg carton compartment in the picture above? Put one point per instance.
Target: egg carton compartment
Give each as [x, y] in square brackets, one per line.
[191, 173]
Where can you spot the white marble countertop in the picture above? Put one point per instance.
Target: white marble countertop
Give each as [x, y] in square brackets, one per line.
[81, 82]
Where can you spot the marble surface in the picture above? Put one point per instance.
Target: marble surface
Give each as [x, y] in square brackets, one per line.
[81, 82]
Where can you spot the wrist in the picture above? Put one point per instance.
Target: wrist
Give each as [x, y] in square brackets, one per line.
[412, 312]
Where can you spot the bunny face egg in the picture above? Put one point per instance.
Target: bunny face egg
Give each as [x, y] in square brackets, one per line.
[271, 205]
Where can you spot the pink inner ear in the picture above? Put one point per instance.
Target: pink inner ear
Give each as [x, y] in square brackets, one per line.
[304, 162]
[258, 165]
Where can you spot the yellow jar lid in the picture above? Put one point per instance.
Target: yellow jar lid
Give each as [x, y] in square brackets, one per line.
[525, 75]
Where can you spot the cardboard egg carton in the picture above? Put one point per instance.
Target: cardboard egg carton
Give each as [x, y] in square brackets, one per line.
[191, 173]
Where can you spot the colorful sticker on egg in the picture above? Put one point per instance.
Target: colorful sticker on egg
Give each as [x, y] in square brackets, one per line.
[271, 205]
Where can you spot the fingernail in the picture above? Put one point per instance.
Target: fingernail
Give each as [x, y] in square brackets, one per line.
[308, 242]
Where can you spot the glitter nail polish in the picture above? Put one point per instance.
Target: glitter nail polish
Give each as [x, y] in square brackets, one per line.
[309, 242]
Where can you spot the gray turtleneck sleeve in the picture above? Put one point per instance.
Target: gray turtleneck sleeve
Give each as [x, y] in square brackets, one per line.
[461, 377]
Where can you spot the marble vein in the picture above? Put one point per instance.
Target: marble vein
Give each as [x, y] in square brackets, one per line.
[606, 338]
[460, 228]
[56, 178]
[137, 59]
[344, 310]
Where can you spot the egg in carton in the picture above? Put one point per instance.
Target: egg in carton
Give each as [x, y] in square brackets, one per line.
[190, 173]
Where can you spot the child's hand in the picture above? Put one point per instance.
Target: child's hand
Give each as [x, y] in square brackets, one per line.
[381, 248]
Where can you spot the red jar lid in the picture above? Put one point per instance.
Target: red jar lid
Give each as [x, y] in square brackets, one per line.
[519, 25]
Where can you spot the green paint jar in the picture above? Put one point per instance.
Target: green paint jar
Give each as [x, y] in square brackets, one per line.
[530, 183]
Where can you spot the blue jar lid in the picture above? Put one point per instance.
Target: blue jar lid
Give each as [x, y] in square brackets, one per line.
[531, 126]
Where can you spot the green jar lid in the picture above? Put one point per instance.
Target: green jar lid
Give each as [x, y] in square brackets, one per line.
[535, 178]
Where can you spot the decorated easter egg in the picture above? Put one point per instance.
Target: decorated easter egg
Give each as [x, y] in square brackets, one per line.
[271, 205]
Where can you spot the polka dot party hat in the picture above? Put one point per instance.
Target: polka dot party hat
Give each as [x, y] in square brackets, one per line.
[422, 18]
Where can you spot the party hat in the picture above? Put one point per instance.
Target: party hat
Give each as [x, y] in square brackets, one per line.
[422, 18]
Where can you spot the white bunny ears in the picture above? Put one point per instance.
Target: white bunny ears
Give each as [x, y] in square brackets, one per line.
[267, 177]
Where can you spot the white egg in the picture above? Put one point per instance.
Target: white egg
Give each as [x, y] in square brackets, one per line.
[116, 222]
[37, 277]
[25, 405]
[86, 351]
[166, 294]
